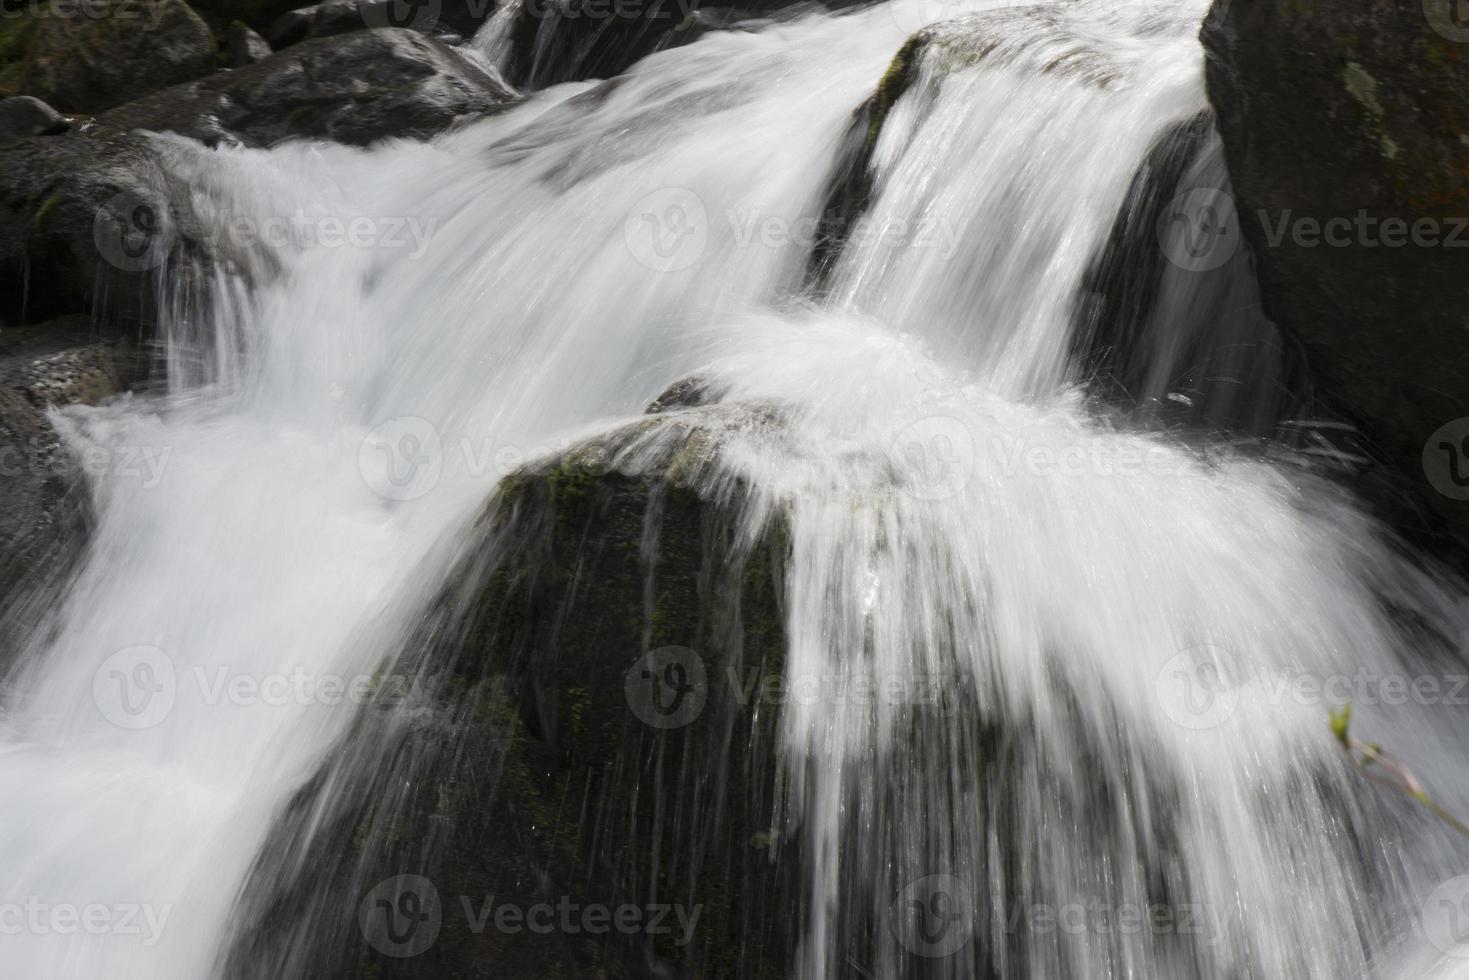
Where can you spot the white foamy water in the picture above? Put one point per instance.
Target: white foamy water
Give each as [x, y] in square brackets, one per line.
[955, 513]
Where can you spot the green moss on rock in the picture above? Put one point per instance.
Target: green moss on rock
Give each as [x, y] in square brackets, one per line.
[528, 774]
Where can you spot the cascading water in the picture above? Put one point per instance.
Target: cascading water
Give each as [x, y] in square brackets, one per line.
[955, 508]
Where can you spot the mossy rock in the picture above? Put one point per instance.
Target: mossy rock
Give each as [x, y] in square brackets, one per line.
[124, 49]
[1362, 112]
[524, 767]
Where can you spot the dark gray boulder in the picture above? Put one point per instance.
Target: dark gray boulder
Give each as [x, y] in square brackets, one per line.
[355, 88]
[320, 20]
[115, 52]
[516, 753]
[24, 115]
[1347, 134]
[346, 16]
[242, 46]
[88, 220]
[64, 362]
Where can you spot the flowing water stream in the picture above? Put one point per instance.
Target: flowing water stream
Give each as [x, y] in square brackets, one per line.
[328, 432]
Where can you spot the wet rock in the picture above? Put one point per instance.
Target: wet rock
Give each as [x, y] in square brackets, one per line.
[257, 14]
[356, 88]
[64, 362]
[112, 51]
[242, 46]
[1031, 38]
[688, 393]
[449, 22]
[26, 116]
[570, 40]
[1181, 346]
[1347, 136]
[525, 751]
[87, 222]
[91, 221]
[325, 20]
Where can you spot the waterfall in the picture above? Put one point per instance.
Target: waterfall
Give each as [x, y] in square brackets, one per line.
[960, 509]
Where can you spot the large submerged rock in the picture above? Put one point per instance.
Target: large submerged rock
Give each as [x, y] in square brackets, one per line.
[1347, 137]
[578, 728]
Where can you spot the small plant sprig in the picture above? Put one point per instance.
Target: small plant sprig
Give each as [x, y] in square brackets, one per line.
[1388, 770]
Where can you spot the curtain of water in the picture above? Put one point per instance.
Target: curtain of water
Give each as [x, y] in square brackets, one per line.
[955, 511]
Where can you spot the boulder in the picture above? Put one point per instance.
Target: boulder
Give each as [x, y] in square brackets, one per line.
[322, 20]
[242, 46]
[345, 16]
[522, 753]
[112, 51]
[87, 221]
[1033, 38]
[64, 362]
[24, 115]
[257, 14]
[1347, 141]
[355, 88]
[457, 17]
